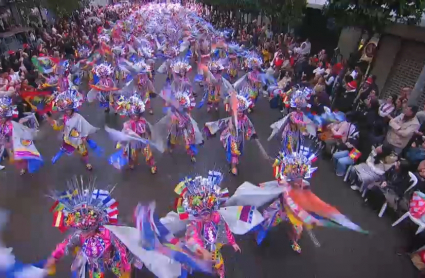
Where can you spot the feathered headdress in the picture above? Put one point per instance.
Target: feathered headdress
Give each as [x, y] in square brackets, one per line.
[200, 196]
[180, 66]
[297, 164]
[142, 67]
[299, 98]
[129, 106]
[243, 99]
[104, 38]
[254, 60]
[83, 207]
[83, 52]
[103, 70]
[7, 110]
[215, 66]
[69, 99]
[185, 99]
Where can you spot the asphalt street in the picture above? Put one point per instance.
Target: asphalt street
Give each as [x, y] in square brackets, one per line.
[342, 253]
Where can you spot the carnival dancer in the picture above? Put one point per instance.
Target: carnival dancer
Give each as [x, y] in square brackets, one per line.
[180, 69]
[16, 140]
[203, 48]
[213, 88]
[100, 245]
[169, 52]
[235, 129]
[180, 127]
[234, 64]
[141, 84]
[104, 89]
[294, 125]
[255, 79]
[75, 128]
[137, 127]
[202, 207]
[293, 201]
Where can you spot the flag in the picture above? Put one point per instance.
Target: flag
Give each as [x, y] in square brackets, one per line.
[57, 206]
[42, 102]
[183, 215]
[58, 221]
[355, 154]
[180, 188]
[245, 213]
[45, 64]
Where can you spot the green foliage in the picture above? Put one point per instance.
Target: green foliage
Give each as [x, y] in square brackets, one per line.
[283, 12]
[374, 15]
[62, 7]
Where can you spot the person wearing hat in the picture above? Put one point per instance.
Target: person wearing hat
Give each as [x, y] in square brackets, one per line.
[369, 86]
[74, 127]
[133, 107]
[145, 87]
[235, 129]
[104, 89]
[346, 100]
[214, 82]
[181, 128]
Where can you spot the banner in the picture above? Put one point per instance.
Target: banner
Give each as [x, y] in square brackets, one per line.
[370, 49]
[40, 101]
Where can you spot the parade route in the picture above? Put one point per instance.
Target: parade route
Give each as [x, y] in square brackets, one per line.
[343, 253]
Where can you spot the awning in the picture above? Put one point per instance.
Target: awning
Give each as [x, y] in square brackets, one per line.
[316, 4]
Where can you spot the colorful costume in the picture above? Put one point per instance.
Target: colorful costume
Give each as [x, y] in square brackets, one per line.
[292, 198]
[234, 130]
[99, 245]
[208, 220]
[179, 127]
[16, 140]
[137, 127]
[295, 124]
[145, 87]
[213, 86]
[203, 49]
[104, 89]
[180, 68]
[253, 79]
[76, 130]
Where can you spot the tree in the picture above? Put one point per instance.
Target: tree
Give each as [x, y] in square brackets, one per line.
[374, 15]
[283, 13]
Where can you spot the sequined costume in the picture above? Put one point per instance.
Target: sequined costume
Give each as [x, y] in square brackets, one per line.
[179, 127]
[145, 87]
[137, 126]
[17, 140]
[105, 88]
[234, 130]
[203, 48]
[97, 250]
[296, 124]
[253, 79]
[209, 222]
[292, 199]
[213, 86]
[180, 69]
[74, 127]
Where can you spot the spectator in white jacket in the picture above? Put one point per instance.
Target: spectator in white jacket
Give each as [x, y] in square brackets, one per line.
[387, 107]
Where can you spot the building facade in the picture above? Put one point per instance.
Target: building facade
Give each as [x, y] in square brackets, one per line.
[399, 59]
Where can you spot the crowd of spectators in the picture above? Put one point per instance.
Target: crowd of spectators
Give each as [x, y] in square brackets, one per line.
[375, 147]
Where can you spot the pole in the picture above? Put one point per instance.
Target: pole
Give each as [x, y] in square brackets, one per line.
[418, 90]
